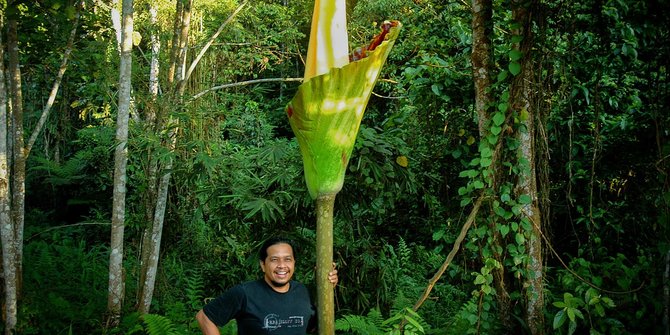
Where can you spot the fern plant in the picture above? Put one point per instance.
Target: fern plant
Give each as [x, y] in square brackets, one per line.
[194, 289]
[159, 325]
[406, 321]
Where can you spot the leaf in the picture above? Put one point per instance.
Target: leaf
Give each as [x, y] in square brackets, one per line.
[402, 161]
[514, 68]
[572, 327]
[436, 89]
[515, 55]
[499, 118]
[525, 199]
[516, 39]
[503, 75]
[137, 38]
[609, 302]
[559, 319]
[495, 130]
[586, 94]
[414, 323]
[520, 239]
[504, 230]
[503, 106]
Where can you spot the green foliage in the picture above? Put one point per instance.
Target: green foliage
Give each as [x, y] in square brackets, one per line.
[605, 312]
[78, 184]
[65, 282]
[569, 310]
[476, 316]
[158, 325]
[600, 70]
[406, 321]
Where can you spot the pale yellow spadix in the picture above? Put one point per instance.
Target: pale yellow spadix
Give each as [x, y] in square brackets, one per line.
[328, 39]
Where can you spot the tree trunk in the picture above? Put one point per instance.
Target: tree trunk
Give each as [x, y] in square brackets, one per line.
[155, 65]
[152, 244]
[482, 59]
[522, 95]
[325, 306]
[148, 267]
[482, 62]
[174, 48]
[18, 173]
[7, 231]
[116, 277]
[182, 47]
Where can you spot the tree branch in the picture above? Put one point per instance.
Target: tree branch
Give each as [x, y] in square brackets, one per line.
[243, 83]
[56, 85]
[211, 40]
[452, 253]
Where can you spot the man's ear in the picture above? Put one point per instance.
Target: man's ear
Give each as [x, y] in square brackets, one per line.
[262, 265]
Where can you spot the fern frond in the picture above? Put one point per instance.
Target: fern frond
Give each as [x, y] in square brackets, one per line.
[375, 317]
[159, 325]
[357, 324]
[194, 289]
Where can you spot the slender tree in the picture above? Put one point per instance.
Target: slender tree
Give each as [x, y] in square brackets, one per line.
[116, 276]
[13, 201]
[18, 169]
[522, 96]
[153, 233]
[482, 64]
[149, 260]
[8, 233]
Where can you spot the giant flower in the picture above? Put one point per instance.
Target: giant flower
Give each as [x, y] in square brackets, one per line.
[325, 115]
[326, 112]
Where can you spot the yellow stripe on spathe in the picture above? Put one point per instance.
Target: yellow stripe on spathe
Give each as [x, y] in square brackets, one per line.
[328, 39]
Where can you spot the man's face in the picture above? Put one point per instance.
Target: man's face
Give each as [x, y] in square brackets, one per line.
[278, 266]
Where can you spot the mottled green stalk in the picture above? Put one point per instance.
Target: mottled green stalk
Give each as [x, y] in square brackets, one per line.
[325, 302]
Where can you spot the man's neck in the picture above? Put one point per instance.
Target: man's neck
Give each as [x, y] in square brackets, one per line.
[279, 289]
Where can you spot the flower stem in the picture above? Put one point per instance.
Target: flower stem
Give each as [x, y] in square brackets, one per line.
[324, 262]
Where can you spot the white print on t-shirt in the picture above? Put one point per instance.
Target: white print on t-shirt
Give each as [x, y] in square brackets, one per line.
[272, 322]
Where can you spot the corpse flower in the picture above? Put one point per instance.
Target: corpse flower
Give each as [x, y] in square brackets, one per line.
[325, 115]
[326, 112]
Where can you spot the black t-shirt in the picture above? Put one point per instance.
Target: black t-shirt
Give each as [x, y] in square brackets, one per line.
[259, 309]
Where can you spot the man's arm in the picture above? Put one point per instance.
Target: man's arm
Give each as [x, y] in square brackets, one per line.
[206, 325]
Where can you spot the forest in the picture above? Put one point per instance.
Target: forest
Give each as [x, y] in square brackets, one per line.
[510, 174]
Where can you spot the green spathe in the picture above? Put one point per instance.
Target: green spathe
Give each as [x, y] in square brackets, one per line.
[325, 115]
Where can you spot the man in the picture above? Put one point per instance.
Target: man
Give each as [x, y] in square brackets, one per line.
[273, 305]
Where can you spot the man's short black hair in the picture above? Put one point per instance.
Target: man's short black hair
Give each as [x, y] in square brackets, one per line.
[263, 252]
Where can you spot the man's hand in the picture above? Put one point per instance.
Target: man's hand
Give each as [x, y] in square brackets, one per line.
[332, 275]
